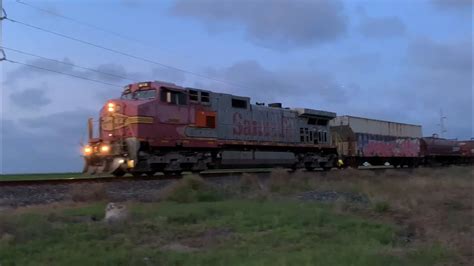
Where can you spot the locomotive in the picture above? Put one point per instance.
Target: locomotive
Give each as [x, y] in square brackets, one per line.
[162, 127]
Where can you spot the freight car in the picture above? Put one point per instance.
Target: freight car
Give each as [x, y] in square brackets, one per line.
[440, 151]
[467, 150]
[362, 140]
[159, 126]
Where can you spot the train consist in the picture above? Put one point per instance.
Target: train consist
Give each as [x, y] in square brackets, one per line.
[162, 127]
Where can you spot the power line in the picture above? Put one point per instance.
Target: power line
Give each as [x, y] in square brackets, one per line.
[52, 13]
[68, 64]
[128, 55]
[62, 73]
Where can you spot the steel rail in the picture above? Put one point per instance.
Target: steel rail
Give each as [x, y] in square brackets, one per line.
[108, 179]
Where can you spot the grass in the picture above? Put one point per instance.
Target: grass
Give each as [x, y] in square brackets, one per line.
[229, 232]
[433, 205]
[417, 217]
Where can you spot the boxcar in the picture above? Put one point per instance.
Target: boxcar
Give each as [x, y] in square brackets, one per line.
[377, 142]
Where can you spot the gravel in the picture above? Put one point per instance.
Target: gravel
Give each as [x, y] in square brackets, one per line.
[137, 190]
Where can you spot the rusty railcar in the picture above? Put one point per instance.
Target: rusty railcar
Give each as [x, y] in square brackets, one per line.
[159, 126]
[441, 151]
[467, 150]
[360, 140]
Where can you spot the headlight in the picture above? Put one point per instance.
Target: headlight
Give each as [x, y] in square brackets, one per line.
[111, 107]
[87, 150]
[104, 148]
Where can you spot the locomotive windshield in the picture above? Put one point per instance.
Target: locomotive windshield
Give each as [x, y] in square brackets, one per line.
[139, 95]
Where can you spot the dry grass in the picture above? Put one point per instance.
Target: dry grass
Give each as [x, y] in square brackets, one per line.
[433, 205]
[190, 189]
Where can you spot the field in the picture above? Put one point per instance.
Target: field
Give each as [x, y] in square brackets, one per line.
[418, 217]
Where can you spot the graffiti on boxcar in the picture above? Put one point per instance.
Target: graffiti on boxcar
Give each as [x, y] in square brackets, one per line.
[397, 148]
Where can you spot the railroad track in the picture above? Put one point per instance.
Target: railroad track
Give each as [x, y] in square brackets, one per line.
[108, 179]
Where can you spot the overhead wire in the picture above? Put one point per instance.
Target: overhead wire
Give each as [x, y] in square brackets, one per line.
[62, 73]
[68, 64]
[52, 13]
[129, 55]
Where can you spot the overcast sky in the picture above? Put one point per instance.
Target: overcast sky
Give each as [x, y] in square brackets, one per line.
[386, 59]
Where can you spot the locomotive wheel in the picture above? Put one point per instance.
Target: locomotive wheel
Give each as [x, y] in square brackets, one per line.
[172, 172]
[137, 174]
[119, 173]
[150, 174]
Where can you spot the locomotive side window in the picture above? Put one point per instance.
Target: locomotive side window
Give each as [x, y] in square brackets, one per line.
[236, 103]
[193, 95]
[173, 97]
[322, 122]
[204, 97]
[182, 99]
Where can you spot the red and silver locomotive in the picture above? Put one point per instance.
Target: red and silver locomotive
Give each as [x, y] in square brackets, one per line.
[159, 126]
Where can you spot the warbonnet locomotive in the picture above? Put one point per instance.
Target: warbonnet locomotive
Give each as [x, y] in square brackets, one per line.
[159, 126]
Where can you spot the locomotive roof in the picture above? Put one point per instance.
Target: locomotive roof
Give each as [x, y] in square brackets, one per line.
[300, 111]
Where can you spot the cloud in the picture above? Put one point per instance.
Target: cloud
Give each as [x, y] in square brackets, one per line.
[362, 62]
[132, 3]
[47, 143]
[440, 76]
[453, 4]
[382, 27]
[33, 98]
[455, 56]
[249, 78]
[168, 75]
[278, 24]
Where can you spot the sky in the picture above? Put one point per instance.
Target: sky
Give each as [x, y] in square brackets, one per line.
[397, 60]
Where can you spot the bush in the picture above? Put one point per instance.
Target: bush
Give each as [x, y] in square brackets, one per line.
[279, 181]
[191, 189]
[382, 206]
[249, 182]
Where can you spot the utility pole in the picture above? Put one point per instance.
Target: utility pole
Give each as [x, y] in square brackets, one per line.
[1, 91]
[442, 128]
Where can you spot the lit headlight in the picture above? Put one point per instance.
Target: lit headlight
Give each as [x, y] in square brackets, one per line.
[111, 107]
[87, 150]
[104, 148]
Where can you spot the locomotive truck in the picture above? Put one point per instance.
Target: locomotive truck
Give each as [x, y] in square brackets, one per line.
[162, 127]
